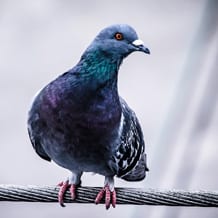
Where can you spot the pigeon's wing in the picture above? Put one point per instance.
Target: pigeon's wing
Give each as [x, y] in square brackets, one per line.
[131, 157]
[35, 129]
[37, 146]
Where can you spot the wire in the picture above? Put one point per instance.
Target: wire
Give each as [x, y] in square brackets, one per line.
[124, 196]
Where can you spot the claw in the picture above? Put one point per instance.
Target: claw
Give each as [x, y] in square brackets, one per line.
[60, 184]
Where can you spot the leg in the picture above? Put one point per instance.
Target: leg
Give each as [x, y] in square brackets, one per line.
[72, 182]
[109, 191]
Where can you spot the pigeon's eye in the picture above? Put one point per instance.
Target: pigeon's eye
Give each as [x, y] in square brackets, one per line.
[118, 36]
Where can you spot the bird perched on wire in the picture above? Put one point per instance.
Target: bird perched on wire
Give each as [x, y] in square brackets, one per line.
[79, 121]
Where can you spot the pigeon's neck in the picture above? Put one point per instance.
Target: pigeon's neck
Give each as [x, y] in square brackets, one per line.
[97, 91]
[99, 67]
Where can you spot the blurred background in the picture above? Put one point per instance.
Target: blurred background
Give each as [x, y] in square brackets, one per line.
[174, 93]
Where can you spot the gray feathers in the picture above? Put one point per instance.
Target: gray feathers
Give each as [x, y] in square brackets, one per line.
[80, 122]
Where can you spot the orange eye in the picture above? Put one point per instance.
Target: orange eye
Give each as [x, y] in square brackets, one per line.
[118, 36]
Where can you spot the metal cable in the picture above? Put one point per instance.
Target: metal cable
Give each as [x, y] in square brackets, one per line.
[124, 196]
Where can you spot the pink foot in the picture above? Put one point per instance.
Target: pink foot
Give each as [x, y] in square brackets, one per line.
[64, 186]
[110, 197]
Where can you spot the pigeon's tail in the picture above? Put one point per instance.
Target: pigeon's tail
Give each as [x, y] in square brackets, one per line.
[139, 172]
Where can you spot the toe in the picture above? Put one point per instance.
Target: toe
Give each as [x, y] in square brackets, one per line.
[107, 197]
[73, 191]
[63, 188]
[114, 199]
[99, 196]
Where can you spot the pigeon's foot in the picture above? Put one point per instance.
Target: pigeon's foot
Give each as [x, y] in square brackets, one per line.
[109, 192]
[71, 183]
[110, 197]
[64, 186]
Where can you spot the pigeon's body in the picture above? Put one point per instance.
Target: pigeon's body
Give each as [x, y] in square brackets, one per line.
[80, 122]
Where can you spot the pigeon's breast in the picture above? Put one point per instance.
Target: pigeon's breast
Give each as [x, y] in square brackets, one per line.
[76, 136]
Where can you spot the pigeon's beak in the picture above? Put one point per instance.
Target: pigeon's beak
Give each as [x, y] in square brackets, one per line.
[139, 45]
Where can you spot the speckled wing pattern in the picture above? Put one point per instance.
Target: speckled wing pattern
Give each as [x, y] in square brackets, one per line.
[130, 156]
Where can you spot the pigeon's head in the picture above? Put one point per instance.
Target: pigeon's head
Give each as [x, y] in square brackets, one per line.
[118, 41]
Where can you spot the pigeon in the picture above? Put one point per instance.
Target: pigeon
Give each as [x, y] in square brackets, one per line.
[80, 122]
